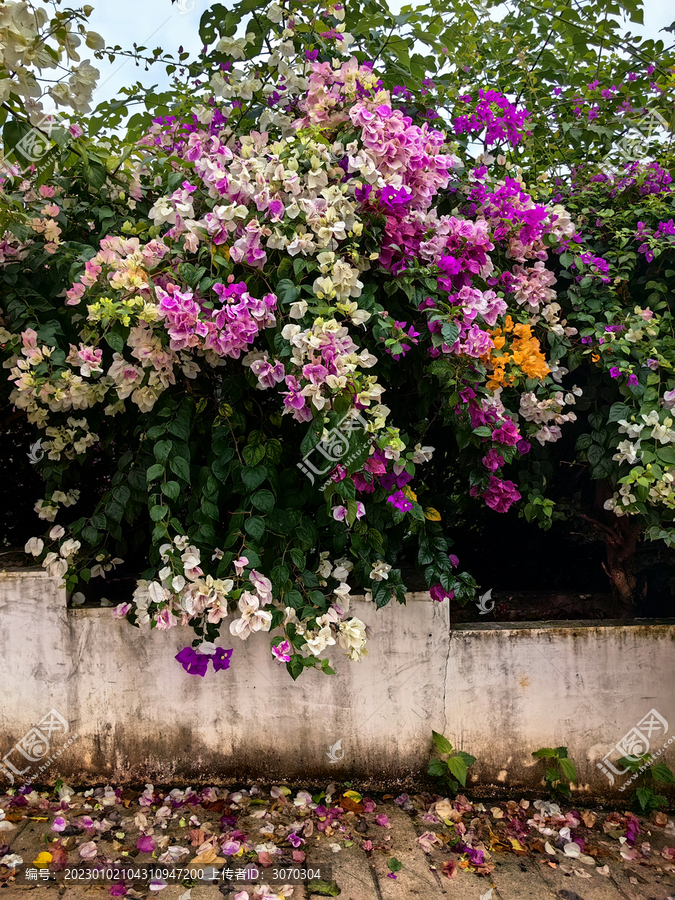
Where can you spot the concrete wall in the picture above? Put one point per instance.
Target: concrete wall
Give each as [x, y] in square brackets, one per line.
[498, 692]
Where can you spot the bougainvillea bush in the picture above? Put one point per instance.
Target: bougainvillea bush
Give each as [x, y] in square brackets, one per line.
[250, 320]
[618, 274]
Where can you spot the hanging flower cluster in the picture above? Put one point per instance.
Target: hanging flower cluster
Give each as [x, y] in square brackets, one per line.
[287, 273]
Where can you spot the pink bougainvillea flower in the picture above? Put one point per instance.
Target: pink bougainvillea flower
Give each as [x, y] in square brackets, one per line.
[89, 850]
[383, 821]
[59, 824]
[118, 890]
[450, 868]
[121, 610]
[230, 848]
[240, 564]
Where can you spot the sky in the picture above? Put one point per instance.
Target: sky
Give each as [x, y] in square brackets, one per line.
[159, 23]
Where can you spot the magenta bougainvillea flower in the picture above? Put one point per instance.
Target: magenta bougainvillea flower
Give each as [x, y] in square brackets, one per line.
[282, 651]
[196, 663]
[145, 843]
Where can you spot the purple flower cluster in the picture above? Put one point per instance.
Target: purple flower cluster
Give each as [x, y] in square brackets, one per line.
[226, 330]
[196, 663]
[501, 120]
[649, 239]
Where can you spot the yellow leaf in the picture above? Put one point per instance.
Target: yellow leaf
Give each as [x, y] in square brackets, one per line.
[517, 846]
[410, 494]
[353, 795]
[43, 859]
[432, 514]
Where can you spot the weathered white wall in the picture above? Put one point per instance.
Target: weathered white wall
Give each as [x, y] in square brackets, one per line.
[497, 692]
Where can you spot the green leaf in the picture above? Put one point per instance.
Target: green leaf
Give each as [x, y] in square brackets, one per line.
[115, 341]
[666, 455]
[443, 745]
[545, 753]
[568, 769]
[162, 449]
[253, 454]
[595, 454]
[94, 173]
[394, 865]
[155, 471]
[437, 768]
[321, 888]
[159, 512]
[90, 535]
[661, 772]
[221, 465]
[121, 493]
[294, 599]
[171, 490]
[457, 767]
[279, 574]
[295, 667]
[255, 527]
[15, 136]
[643, 796]
[469, 760]
[450, 333]
[619, 411]
[287, 292]
[311, 439]
[180, 467]
[263, 500]
[253, 476]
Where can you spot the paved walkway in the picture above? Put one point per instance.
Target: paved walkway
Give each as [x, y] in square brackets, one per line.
[359, 851]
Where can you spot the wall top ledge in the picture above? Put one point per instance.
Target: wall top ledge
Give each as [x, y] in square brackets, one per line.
[19, 571]
[565, 625]
[651, 626]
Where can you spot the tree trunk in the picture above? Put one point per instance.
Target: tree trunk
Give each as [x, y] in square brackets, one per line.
[621, 534]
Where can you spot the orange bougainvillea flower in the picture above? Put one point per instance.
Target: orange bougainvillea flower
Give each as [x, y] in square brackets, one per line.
[524, 353]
